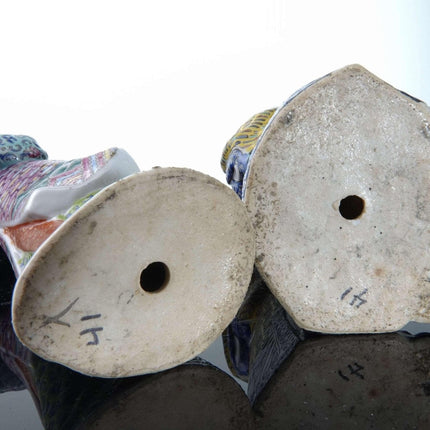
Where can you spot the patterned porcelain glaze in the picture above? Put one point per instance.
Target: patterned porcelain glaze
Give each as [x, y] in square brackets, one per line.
[14, 149]
[260, 338]
[38, 194]
[240, 149]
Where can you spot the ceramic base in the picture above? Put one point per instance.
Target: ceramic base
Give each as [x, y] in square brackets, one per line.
[338, 192]
[140, 279]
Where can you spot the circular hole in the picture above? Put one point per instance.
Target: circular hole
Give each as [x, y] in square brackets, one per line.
[154, 277]
[351, 207]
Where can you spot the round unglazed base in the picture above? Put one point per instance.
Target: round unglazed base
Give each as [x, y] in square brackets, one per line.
[338, 190]
[142, 278]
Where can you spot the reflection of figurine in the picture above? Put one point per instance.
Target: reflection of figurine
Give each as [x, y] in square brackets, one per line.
[260, 338]
[132, 272]
[195, 395]
[337, 187]
[356, 381]
[299, 379]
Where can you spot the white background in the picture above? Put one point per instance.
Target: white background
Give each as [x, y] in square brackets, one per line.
[170, 81]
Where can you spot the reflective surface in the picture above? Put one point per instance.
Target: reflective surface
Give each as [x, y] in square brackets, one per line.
[354, 381]
[379, 381]
[285, 378]
[193, 395]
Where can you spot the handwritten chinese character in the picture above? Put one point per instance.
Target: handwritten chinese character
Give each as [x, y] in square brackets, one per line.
[56, 318]
[353, 370]
[92, 330]
[357, 299]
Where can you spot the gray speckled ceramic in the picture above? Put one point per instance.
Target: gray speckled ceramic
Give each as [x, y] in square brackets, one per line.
[141, 278]
[337, 187]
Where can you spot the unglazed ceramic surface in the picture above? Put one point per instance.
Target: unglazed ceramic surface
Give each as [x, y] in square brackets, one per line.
[80, 300]
[338, 192]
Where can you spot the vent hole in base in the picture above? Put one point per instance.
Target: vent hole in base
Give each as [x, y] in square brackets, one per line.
[154, 277]
[351, 207]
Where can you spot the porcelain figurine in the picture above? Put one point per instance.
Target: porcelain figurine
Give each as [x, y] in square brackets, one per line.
[195, 394]
[238, 149]
[336, 182]
[120, 272]
[38, 194]
[260, 338]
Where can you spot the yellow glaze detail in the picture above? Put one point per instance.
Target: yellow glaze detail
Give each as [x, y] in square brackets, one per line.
[247, 135]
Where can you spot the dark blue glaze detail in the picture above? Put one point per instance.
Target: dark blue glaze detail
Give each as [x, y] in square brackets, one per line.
[17, 148]
[237, 164]
[238, 337]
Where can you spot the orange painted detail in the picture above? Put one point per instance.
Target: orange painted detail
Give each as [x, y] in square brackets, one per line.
[30, 235]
